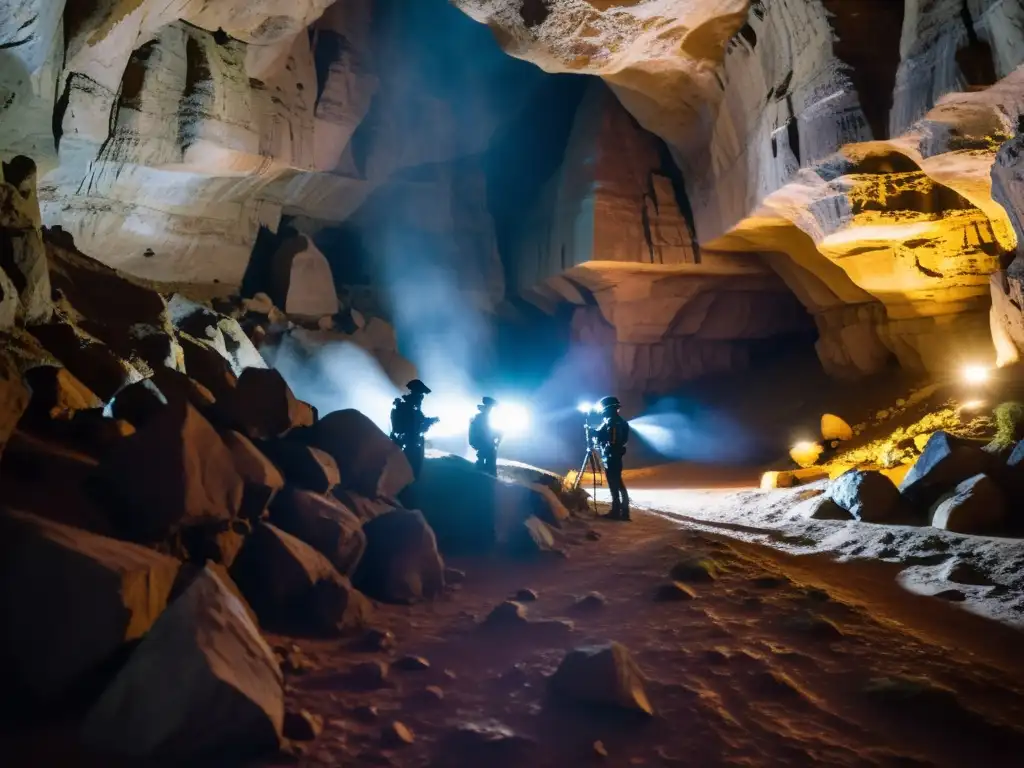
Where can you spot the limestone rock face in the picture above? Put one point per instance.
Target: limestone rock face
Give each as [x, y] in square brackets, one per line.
[738, 153]
[165, 118]
[609, 234]
[827, 136]
[22, 252]
[310, 291]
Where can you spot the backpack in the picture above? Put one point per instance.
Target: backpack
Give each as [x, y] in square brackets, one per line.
[400, 421]
[477, 432]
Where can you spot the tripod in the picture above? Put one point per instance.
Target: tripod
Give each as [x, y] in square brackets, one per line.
[591, 459]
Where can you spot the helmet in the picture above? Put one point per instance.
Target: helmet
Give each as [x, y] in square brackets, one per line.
[417, 387]
[607, 403]
[489, 401]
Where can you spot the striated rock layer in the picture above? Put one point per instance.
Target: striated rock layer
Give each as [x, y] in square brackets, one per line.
[848, 143]
[740, 153]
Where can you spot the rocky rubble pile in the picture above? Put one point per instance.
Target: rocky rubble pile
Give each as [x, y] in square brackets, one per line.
[956, 484]
[167, 497]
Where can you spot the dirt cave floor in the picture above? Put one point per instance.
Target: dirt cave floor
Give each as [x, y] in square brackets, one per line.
[779, 660]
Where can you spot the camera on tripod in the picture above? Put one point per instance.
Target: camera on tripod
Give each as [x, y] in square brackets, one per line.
[592, 455]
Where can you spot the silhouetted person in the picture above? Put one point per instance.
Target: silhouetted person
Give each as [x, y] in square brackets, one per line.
[611, 438]
[484, 438]
[409, 426]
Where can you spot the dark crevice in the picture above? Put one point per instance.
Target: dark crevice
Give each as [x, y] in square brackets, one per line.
[195, 92]
[534, 12]
[645, 220]
[675, 176]
[782, 90]
[329, 48]
[793, 131]
[924, 269]
[975, 59]
[869, 33]
[747, 33]
[521, 159]
[59, 109]
[115, 109]
[134, 77]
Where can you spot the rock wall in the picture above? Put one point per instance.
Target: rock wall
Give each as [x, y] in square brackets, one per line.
[868, 127]
[167, 134]
[175, 130]
[842, 150]
[611, 200]
[609, 233]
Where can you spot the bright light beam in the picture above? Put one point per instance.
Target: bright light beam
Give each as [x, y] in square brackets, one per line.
[585, 407]
[453, 414]
[976, 374]
[510, 419]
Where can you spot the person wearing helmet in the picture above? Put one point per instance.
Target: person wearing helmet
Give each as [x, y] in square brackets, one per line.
[611, 438]
[484, 437]
[409, 426]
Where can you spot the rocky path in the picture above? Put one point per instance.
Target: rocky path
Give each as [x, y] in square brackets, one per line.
[773, 660]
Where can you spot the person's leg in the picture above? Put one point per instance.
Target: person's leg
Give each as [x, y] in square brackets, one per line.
[613, 473]
[414, 453]
[492, 463]
[624, 509]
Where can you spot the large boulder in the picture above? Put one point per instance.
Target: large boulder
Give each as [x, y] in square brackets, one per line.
[129, 318]
[14, 394]
[202, 685]
[303, 465]
[9, 304]
[262, 478]
[401, 563]
[290, 584]
[208, 366]
[546, 505]
[363, 508]
[220, 332]
[58, 394]
[602, 675]
[471, 511]
[22, 252]
[821, 507]
[946, 461]
[867, 495]
[173, 471]
[262, 405]
[139, 402]
[835, 428]
[94, 363]
[69, 602]
[324, 523]
[369, 462]
[308, 289]
[977, 505]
